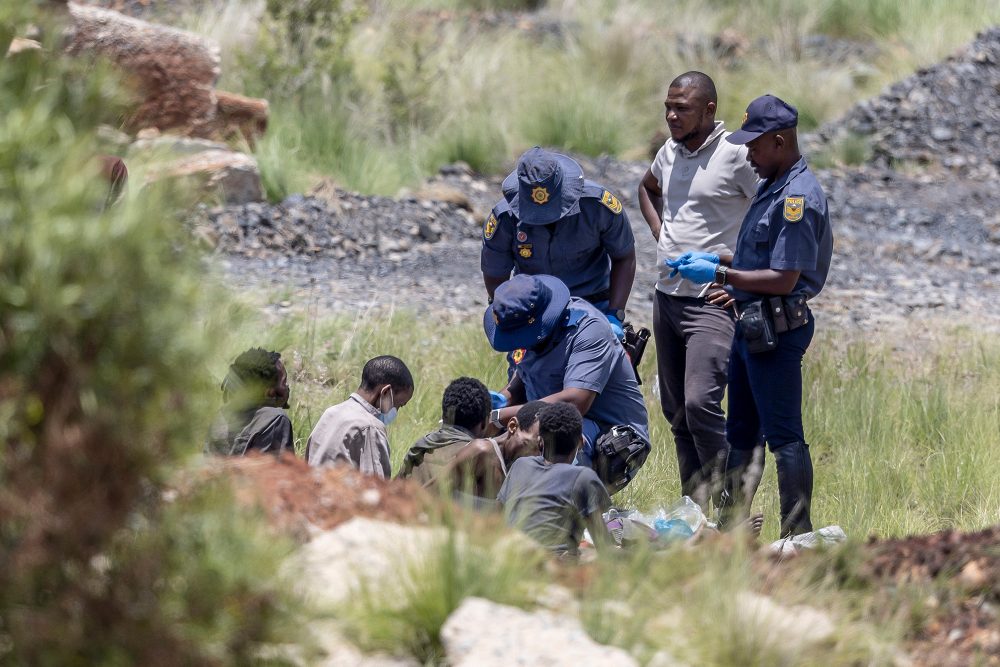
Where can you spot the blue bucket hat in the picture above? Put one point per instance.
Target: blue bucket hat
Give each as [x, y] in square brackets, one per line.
[765, 114]
[544, 187]
[524, 311]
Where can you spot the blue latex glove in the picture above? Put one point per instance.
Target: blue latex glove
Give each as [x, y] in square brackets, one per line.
[616, 326]
[497, 400]
[687, 258]
[698, 271]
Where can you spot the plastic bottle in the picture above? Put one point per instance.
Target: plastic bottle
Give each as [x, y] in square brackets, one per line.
[672, 530]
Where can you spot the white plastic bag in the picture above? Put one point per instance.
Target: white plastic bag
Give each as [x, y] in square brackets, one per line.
[823, 537]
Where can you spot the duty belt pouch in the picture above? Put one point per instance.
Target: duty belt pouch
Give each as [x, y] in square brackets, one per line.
[618, 455]
[778, 315]
[756, 328]
[796, 311]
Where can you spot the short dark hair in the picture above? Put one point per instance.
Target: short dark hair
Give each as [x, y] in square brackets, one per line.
[527, 415]
[256, 366]
[466, 403]
[386, 370]
[699, 81]
[560, 427]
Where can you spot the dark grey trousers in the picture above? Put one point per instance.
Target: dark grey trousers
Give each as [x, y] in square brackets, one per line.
[693, 342]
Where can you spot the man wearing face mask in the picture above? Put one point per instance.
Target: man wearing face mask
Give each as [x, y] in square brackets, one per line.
[571, 357]
[353, 432]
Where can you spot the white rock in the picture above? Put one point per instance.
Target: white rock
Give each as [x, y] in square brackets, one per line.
[362, 551]
[341, 653]
[481, 633]
[800, 624]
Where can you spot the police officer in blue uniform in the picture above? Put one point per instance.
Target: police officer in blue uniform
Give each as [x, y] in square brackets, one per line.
[781, 261]
[571, 356]
[552, 221]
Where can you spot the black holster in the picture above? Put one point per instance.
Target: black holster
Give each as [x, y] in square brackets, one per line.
[618, 455]
[761, 321]
[635, 346]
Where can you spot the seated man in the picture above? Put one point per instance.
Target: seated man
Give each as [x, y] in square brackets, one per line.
[255, 392]
[571, 356]
[465, 409]
[550, 499]
[353, 432]
[484, 464]
[459, 458]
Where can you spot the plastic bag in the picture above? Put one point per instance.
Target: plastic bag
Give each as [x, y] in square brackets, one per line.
[823, 537]
[677, 523]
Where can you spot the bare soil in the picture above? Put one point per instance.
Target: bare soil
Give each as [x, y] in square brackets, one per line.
[298, 499]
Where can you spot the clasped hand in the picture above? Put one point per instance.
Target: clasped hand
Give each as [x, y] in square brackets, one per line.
[698, 267]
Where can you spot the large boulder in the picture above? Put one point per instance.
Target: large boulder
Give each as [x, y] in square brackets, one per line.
[233, 176]
[174, 71]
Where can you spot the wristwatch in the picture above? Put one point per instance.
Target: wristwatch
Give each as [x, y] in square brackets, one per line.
[620, 314]
[495, 418]
[720, 274]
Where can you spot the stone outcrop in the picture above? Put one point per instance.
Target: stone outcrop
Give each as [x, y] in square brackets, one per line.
[173, 73]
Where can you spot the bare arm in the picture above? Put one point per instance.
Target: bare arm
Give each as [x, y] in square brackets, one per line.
[651, 203]
[763, 281]
[493, 283]
[581, 399]
[599, 532]
[622, 277]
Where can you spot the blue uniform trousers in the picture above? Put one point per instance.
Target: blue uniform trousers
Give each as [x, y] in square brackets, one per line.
[765, 405]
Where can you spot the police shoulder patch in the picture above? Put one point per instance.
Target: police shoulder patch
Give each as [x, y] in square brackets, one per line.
[517, 356]
[490, 228]
[794, 208]
[611, 202]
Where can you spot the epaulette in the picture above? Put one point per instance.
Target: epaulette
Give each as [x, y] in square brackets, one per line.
[593, 190]
[502, 208]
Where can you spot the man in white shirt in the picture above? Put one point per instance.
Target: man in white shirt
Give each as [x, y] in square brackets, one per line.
[694, 197]
[353, 432]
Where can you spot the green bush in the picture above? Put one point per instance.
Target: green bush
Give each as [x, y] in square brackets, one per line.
[301, 44]
[103, 330]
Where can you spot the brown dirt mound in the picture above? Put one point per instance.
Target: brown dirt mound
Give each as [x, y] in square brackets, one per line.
[964, 627]
[972, 559]
[295, 496]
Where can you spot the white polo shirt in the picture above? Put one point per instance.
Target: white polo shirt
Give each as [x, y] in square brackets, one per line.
[706, 193]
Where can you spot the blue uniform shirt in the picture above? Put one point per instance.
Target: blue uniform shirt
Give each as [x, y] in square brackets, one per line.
[787, 228]
[588, 356]
[577, 249]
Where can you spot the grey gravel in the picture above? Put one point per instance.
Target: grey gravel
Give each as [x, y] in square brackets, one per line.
[917, 229]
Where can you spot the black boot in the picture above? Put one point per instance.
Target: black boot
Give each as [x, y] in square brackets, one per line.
[795, 483]
[743, 472]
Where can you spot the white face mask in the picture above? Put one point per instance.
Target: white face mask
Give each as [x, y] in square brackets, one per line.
[386, 417]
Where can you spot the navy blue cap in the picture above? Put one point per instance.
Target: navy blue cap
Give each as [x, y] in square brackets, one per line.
[524, 311]
[767, 113]
[548, 185]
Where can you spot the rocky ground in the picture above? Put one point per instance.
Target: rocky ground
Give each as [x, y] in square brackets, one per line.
[344, 518]
[917, 227]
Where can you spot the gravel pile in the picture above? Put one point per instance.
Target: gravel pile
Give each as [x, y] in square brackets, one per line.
[947, 115]
[346, 226]
[920, 240]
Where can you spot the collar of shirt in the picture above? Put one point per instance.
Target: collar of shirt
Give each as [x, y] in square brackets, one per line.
[716, 133]
[366, 405]
[769, 188]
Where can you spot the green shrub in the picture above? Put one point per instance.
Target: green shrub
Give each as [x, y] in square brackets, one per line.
[103, 337]
[300, 44]
[847, 18]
